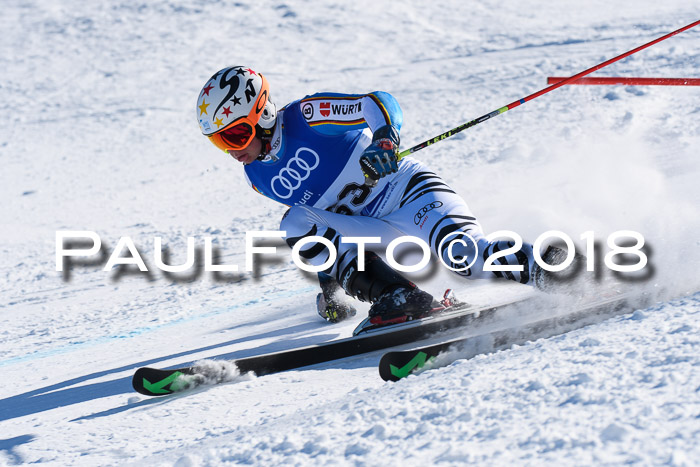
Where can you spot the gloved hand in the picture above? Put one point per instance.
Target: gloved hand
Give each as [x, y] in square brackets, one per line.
[381, 157]
[333, 311]
[329, 305]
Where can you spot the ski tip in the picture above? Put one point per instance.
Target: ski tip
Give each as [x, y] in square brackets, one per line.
[395, 366]
[146, 382]
[385, 368]
[155, 382]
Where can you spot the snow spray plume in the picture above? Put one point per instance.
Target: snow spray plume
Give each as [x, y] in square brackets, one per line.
[620, 182]
[208, 372]
[660, 208]
[514, 104]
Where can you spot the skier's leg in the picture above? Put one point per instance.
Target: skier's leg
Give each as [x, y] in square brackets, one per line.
[303, 221]
[377, 283]
[429, 209]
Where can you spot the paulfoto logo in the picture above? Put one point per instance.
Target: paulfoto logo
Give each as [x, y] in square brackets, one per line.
[86, 247]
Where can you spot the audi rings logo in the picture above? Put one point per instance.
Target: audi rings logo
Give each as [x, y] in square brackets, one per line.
[297, 170]
[424, 210]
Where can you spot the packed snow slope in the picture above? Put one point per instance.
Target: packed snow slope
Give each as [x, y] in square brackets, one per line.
[98, 133]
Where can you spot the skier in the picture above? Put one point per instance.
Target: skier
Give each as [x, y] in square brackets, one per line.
[333, 159]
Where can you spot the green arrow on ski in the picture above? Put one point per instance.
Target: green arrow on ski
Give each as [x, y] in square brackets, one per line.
[158, 386]
[416, 362]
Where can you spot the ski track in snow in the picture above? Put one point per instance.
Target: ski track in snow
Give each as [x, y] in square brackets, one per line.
[97, 133]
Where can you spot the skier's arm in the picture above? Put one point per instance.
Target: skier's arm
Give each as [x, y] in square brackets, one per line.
[390, 112]
[334, 114]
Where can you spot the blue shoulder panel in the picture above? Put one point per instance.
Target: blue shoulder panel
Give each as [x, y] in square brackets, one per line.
[390, 108]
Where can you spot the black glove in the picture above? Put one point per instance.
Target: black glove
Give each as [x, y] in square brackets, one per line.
[381, 157]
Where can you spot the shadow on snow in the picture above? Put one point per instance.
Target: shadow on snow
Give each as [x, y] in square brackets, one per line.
[9, 445]
[62, 394]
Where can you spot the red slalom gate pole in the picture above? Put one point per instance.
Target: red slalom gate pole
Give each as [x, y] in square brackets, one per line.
[554, 86]
[599, 80]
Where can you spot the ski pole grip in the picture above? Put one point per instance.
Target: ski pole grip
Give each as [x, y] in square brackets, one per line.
[370, 182]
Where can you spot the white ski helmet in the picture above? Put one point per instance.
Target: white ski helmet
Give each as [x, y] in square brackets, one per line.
[233, 106]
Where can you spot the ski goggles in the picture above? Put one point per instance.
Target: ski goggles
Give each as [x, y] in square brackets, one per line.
[236, 136]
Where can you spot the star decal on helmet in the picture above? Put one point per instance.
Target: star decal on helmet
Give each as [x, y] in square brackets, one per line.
[203, 108]
[218, 122]
[239, 71]
[251, 72]
[236, 100]
[227, 111]
[207, 89]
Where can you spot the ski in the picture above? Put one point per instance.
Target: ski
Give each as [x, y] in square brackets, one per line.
[157, 382]
[160, 382]
[396, 365]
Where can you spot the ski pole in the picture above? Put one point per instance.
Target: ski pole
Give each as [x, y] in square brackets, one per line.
[512, 105]
[612, 80]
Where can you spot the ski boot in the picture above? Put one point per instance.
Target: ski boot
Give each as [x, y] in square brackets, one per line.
[414, 304]
[403, 304]
[394, 298]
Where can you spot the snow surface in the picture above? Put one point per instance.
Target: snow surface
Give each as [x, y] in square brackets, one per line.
[98, 134]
